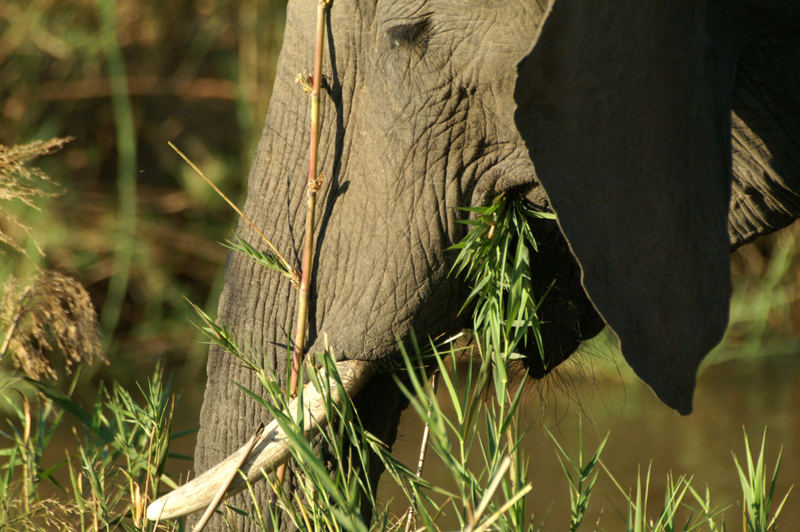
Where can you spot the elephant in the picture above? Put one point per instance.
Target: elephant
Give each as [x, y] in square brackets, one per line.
[662, 134]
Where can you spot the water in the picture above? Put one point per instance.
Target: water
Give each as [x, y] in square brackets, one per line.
[730, 397]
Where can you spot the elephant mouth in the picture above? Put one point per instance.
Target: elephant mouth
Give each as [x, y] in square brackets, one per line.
[262, 456]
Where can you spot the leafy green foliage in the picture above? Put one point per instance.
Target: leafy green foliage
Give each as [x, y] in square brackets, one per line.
[475, 430]
[487, 466]
[495, 257]
[325, 499]
[488, 471]
[580, 475]
[28, 433]
[122, 456]
[637, 519]
[118, 467]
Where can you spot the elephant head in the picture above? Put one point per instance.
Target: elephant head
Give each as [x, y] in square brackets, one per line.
[617, 117]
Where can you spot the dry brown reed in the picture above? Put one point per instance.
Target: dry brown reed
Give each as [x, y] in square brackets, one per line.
[50, 325]
[25, 183]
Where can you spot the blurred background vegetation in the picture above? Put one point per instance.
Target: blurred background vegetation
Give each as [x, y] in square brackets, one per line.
[134, 224]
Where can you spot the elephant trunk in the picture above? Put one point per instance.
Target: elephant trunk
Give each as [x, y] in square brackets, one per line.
[258, 304]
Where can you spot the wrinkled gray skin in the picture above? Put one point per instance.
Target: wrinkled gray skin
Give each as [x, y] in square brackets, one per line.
[619, 116]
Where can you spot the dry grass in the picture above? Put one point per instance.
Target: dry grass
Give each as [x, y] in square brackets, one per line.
[21, 182]
[49, 322]
[51, 325]
[47, 514]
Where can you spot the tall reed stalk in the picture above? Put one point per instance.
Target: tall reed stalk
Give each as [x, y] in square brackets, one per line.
[125, 134]
[314, 182]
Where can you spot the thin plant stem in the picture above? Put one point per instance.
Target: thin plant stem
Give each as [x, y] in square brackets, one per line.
[311, 193]
[284, 262]
[125, 131]
[314, 182]
[423, 448]
[503, 509]
[489, 493]
[26, 456]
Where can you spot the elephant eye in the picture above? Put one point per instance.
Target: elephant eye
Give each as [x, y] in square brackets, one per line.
[413, 34]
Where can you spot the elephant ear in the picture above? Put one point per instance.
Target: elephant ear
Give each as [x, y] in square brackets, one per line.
[626, 119]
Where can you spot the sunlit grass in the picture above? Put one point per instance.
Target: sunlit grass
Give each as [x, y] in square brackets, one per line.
[115, 468]
[120, 458]
[758, 489]
[581, 475]
[488, 472]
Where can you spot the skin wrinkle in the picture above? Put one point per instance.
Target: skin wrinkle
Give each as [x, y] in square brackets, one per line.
[426, 166]
[404, 12]
[269, 285]
[342, 115]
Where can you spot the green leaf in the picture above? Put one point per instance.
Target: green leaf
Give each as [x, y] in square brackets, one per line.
[264, 258]
[87, 420]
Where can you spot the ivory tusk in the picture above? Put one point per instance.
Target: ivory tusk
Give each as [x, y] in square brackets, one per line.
[270, 449]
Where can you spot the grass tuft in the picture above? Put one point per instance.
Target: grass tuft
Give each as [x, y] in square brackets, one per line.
[122, 449]
[266, 258]
[758, 491]
[580, 474]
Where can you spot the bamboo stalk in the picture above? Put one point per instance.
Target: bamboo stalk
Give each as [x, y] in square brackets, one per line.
[314, 182]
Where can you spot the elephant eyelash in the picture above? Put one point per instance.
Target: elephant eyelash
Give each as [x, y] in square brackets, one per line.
[413, 34]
